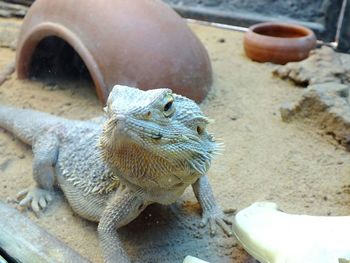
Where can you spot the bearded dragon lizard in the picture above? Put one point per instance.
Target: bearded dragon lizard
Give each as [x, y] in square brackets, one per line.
[149, 147]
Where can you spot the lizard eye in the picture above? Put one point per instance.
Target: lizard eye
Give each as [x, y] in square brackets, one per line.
[200, 129]
[168, 108]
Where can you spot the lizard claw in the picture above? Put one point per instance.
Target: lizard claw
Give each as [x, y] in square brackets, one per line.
[216, 217]
[34, 197]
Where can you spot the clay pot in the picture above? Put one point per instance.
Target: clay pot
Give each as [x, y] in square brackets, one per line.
[278, 42]
[141, 43]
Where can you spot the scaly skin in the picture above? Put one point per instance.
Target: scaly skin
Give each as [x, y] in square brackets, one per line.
[151, 147]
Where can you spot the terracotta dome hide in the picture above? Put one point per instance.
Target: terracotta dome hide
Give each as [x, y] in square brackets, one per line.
[141, 43]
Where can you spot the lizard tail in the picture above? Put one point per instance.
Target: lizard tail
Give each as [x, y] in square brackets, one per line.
[6, 120]
[25, 124]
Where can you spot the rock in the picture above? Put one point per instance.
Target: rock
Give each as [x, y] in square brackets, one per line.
[287, 110]
[326, 105]
[323, 65]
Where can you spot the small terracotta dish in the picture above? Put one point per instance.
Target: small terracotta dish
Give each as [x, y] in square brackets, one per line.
[279, 43]
[141, 43]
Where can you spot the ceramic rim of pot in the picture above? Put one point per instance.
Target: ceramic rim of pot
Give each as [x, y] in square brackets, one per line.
[278, 42]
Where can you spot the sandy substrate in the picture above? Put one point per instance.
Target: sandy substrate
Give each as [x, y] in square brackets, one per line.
[291, 164]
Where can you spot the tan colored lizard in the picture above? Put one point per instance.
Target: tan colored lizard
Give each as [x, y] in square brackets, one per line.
[151, 147]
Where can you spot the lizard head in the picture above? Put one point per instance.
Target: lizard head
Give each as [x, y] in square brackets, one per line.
[161, 123]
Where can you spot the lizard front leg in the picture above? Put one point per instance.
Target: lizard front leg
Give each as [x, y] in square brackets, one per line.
[212, 213]
[45, 151]
[120, 210]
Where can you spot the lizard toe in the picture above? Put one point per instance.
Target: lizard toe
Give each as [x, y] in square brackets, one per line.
[217, 218]
[35, 198]
[48, 197]
[224, 226]
[25, 201]
[204, 222]
[212, 226]
[35, 205]
[42, 202]
[21, 194]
